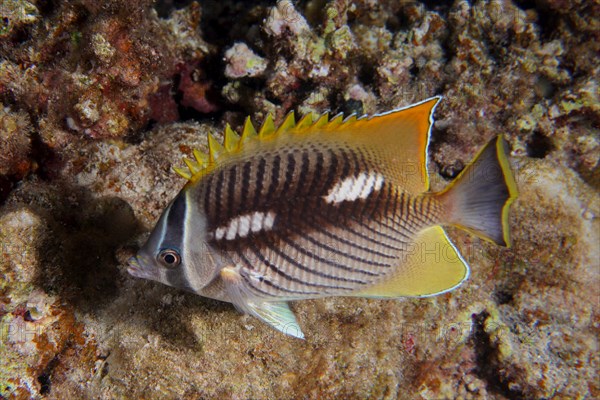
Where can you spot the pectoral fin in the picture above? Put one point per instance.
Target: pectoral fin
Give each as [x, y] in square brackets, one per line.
[279, 316]
[431, 266]
[275, 313]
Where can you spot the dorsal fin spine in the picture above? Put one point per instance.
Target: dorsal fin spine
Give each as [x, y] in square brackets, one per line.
[322, 121]
[248, 132]
[201, 158]
[336, 121]
[350, 119]
[182, 172]
[305, 122]
[233, 142]
[267, 128]
[232, 139]
[192, 166]
[288, 123]
[214, 148]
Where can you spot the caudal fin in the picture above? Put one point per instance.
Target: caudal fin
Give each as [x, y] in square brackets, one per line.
[479, 198]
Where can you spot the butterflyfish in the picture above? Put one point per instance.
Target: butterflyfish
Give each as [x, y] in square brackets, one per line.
[324, 207]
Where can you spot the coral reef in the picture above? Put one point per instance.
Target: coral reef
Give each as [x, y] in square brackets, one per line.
[93, 71]
[96, 106]
[241, 61]
[39, 335]
[15, 141]
[16, 14]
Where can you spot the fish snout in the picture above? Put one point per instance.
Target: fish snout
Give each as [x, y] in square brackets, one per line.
[140, 268]
[134, 268]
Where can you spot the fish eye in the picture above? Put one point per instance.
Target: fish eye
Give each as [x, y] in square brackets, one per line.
[169, 258]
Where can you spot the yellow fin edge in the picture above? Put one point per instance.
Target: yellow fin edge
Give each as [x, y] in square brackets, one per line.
[509, 179]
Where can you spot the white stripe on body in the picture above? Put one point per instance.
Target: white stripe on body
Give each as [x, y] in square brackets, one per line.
[355, 187]
[240, 227]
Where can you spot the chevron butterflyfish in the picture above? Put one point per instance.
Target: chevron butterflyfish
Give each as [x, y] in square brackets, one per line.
[324, 207]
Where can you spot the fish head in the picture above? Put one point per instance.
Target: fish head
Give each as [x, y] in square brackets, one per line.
[177, 252]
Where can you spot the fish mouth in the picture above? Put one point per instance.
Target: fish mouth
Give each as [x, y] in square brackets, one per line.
[134, 268]
[138, 268]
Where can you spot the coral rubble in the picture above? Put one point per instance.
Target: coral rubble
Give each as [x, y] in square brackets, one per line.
[98, 102]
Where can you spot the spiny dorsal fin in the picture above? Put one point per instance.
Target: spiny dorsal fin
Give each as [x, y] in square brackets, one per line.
[232, 139]
[233, 142]
[249, 132]
[214, 149]
[322, 121]
[267, 128]
[305, 122]
[336, 121]
[413, 121]
[288, 123]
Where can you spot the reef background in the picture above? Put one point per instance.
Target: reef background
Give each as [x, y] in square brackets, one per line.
[100, 99]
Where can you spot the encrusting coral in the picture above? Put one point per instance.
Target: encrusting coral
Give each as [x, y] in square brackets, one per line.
[94, 98]
[16, 14]
[93, 71]
[15, 142]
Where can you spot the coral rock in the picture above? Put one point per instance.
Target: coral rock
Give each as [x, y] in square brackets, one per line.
[241, 62]
[15, 142]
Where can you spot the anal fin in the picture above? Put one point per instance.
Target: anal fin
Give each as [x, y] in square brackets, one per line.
[431, 266]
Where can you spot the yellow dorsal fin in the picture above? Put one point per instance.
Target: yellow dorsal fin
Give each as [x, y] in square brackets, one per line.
[267, 128]
[231, 140]
[248, 132]
[288, 123]
[398, 138]
[192, 165]
[336, 121]
[322, 121]
[183, 173]
[305, 122]
[201, 158]
[431, 266]
[350, 119]
[214, 149]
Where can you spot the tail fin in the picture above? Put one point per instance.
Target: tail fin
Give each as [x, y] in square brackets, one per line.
[479, 198]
